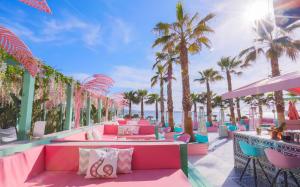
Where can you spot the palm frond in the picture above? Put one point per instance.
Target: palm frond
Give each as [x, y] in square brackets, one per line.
[162, 40]
[179, 12]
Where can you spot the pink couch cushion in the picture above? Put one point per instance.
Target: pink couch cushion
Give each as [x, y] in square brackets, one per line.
[17, 168]
[122, 121]
[144, 178]
[143, 122]
[110, 130]
[146, 129]
[144, 156]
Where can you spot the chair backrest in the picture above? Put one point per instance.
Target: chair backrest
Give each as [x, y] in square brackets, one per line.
[282, 161]
[250, 150]
[184, 138]
[39, 129]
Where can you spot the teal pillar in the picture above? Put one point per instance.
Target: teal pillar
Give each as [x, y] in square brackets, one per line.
[69, 107]
[61, 117]
[26, 106]
[88, 110]
[44, 112]
[99, 111]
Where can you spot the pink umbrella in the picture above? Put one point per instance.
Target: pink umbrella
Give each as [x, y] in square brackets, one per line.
[296, 111]
[10, 43]
[292, 112]
[38, 4]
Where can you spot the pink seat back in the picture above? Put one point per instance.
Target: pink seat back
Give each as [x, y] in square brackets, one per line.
[184, 138]
[282, 161]
[16, 169]
[110, 130]
[143, 122]
[152, 156]
[146, 129]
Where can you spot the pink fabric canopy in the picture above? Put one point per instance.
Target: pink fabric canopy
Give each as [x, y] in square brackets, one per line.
[289, 81]
[292, 112]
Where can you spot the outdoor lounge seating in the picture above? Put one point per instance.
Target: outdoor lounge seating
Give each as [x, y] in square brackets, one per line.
[8, 135]
[110, 133]
[153, 164]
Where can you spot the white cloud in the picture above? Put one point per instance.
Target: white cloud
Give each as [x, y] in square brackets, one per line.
[118, 32]
[60, 31]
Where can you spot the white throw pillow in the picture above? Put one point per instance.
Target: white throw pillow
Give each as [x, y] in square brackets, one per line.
[96, 134]
[84, 155]
[102, 164]
[89, 135]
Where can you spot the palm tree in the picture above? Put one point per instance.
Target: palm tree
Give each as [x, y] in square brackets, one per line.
[131, 98]
[238, 108]
[187, 34]
[259, 100]
[195, 98]
[167, 59]
[206, 77]
[141, 94]
[151, 99]
[228, 66]
[273, 43]
[161, 78]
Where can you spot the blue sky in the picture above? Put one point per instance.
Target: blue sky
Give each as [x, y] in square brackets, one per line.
[114, 37]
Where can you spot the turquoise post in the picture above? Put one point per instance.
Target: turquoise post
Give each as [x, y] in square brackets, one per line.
[88, 110]
[69, 107]
[44, 112]
[99, 111]
[26, 106]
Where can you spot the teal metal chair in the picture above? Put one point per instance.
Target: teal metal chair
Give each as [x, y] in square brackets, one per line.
[232, 127]
[253, 153]
[208, 124]
[178, 129]
[201, 139]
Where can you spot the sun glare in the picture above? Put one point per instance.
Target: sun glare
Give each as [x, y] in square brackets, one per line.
[257, 10]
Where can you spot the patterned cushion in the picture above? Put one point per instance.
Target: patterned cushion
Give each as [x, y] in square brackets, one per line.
[96, 134]
[83, 161]
[128, 130]
[89, 135]
[124, 160]
[102, 164]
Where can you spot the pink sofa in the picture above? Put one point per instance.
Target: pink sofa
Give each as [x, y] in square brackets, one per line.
[153, 164]
[110, 133]
[214, 127]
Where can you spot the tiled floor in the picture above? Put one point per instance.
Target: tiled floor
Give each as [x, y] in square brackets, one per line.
[216, 167]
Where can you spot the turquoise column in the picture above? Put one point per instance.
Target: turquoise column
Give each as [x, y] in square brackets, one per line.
[69, 107]
[88, 110]
[99, 111]
[44, 111]
[26, 106]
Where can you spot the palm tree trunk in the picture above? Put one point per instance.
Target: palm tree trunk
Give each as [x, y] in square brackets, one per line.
[195, 114]
[260, 110]
[238, 109]
[162, 106]
[186, 102]
[278, 94]
[129, 108]
[142, 108]
[156, 110]
[208, 106]
[231, 106]
[170, 99]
